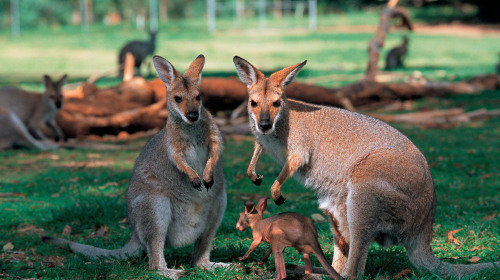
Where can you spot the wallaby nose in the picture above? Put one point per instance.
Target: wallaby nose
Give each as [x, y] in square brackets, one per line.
[58, 104]
[192, 116]
[265, 125]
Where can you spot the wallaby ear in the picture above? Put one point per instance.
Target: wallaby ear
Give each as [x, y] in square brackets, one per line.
[62, 80]
[262, 204]
[47, 81]
[194, 70]
[166, 71]
[247, 72]
[285, 76]
[249, 207]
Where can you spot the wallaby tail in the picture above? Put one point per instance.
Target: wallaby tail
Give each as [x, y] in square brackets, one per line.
[131, 249]
[422, 257]
[326, 265]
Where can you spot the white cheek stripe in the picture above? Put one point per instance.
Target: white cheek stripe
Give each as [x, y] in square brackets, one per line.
[276, 120]
[178, 110]
[256, 125]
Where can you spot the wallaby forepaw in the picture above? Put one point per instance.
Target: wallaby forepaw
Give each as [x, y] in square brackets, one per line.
[280, 200]
[242, 258]
[258, 180]
[208, 184]
[196, 183]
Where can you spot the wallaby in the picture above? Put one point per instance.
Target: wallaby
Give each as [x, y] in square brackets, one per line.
[372, 182]
[282, 231]
[36, 112]
[165, 204]
[139, 49]
[395, 57]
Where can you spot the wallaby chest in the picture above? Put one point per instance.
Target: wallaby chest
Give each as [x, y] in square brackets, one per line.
[197, 156]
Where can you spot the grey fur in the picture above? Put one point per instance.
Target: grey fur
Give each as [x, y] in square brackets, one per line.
[27, 118]
[164, 210]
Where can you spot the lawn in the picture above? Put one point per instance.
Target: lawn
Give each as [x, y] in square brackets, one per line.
[80, 193]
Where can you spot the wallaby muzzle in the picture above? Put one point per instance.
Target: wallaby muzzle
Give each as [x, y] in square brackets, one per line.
[265, 122]
[192, 116]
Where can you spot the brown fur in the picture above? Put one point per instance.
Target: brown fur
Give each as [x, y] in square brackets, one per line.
[372, 181]
[282, 231]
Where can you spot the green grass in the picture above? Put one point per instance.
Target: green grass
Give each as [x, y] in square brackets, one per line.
[85, 189]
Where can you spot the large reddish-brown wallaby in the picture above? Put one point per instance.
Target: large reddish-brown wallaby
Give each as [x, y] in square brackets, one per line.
[165, 204]
[372, 182]
[282, 231]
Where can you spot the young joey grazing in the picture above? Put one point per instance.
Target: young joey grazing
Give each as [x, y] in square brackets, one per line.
[165, 203]
[282, 231]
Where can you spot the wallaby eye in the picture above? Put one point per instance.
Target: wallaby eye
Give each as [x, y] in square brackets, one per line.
[198, 97]
[277, 103]
[253, 103]
[178, 99]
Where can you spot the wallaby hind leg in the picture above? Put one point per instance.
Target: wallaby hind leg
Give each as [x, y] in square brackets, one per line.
[340, 247]
[17, 132]
[152, 231]
[279, 262]
[202, 246]
[362, 232]
[307, 261]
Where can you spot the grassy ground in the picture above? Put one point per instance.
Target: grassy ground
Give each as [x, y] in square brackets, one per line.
[83, 190]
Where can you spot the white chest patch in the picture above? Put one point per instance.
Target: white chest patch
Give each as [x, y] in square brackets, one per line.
[196, 157]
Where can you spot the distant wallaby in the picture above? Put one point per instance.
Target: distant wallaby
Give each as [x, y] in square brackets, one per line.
[282, 231]
[165, 204]
[30, 112]
[139, 49]
[372, 181]
[395, 57]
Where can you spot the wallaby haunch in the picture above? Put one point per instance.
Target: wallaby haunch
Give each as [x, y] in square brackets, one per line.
[372, 181]
[165, 204]
[28, 118]
[139, 49]
[395, 57]
[282, 231]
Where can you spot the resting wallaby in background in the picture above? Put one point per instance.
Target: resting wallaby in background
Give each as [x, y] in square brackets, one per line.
[372, 181]
[139, 49]
[165, 204]
[28, 116]
[395, 57]
[282, 231]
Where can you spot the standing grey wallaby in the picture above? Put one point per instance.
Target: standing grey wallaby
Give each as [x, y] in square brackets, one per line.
[139, 49]
[282, 231]
[165, 204]
[372, 182]
[395, 57]
[27, 117]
